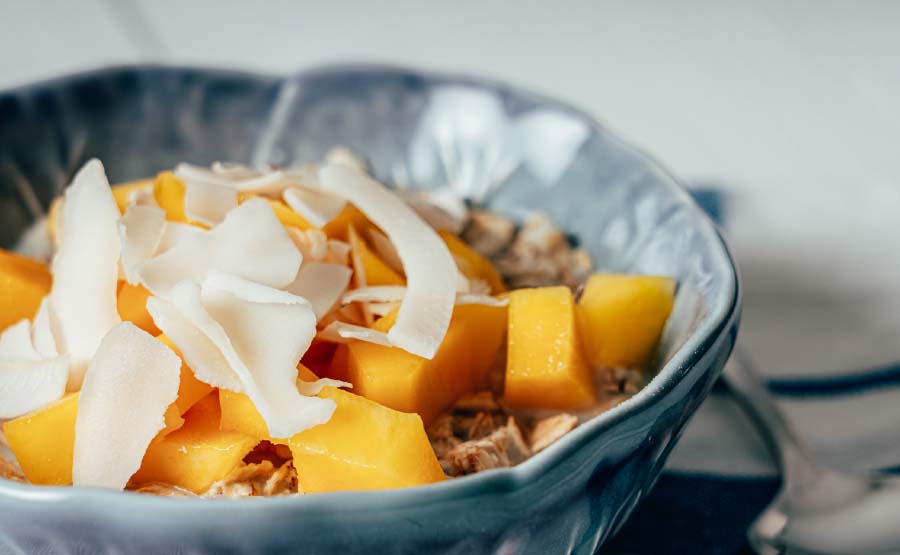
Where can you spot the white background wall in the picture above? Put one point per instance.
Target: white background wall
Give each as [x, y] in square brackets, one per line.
[752, 93]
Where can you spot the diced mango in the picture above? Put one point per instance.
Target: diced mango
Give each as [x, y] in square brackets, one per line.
[122, 191]
[282, 211]
[621, 317]
[377, 271]
[364, 445]
[198, 454]
[43, 442]
[132, 305]
[472, 264]
[350, 216]
[168, 191]
[409, 383]
[23, 285]
[190, 389]
[545, 367]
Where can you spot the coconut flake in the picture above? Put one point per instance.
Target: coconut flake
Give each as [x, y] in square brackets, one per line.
[321, 284]
[317, 207]
[376, 293]
[261, 333]
[270, 182]
[342, 155]
[486, 300]
[338, 252]
[426, 309]
[140, 231]
[142, 197]
[86, 269]
[208, 203]
[16, 343]
[314, 388]
[43, 335]
[382, 309]
[130, 383]
[312, 243]
[342, 332]
[250, 243]
[385, 250]
[27, 385]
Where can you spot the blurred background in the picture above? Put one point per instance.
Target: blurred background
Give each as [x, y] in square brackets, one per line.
[785, 114]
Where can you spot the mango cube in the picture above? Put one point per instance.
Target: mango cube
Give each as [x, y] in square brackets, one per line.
[350, 216]
[472, 264]
[621, 317]
[198, 454]
[377, 271]
[43, 442]
[132, 306]
[409, 383]
[544, 366]
[190, 389]
[23, 285]
[363, 446]
[168, 191]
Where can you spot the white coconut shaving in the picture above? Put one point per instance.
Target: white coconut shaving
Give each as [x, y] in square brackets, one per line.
[426, 309]
[16, 343]
[208, 203]
[342, 332]
[312, 243]
[43, 335]
[250, 243]
[130, 383]
[486, 300]
[382, 309]
[321, 284]
[86, 269]
[375, 293]
[28, 381]
[259, 332]
[316, 207]
[140, 232]
[270, 182]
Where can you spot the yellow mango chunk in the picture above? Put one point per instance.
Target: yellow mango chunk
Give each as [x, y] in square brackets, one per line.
[544, 366]
[190, 389]
[363, 446]
[377, 271]
[198, 454]
[472, 264]
[409, 383]
[122, 191]
[43, 442]
[621, 317]
[23, 284]
[168, 191]
[350, 216]
[283, 212]
[132, 306]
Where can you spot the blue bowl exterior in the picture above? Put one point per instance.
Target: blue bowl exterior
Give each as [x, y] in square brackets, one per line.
[628, 213]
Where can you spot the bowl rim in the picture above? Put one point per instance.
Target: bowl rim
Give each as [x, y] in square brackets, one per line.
[722, 313]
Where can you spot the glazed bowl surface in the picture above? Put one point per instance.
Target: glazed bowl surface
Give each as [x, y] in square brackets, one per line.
[508, 149]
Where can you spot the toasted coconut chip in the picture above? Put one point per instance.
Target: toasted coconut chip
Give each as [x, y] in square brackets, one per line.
[382, 309]
[321, 284]
[426, 309]
[208, 203]
[441, 208]
[271, 182]
[385, 250]
[86, 269]
[487, 300]
[140, 231]
[338, 252]
[317, 207]
[128, 387]
[42, 331]
[312, 243]
[27, 385]
[16, 343]
[341, 332]
[261, 333]
[250, 243]
[377, 293]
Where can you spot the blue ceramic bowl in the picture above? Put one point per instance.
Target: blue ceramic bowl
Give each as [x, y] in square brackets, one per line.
[514, 151]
